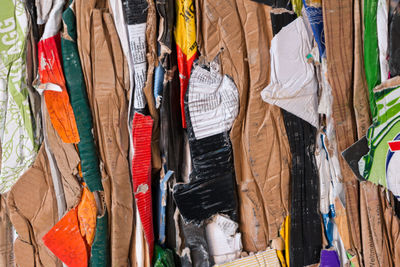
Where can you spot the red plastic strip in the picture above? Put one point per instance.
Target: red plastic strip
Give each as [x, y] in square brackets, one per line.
[141, 173]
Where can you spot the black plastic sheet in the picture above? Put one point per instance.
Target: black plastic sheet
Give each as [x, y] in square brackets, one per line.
[305, 221]
[212, 187]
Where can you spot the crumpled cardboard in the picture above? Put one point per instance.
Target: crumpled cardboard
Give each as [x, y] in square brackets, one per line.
[33, 216]
[110, 115]
[263, 125]
[261, 151]
[33, 212]
[151, 38]
[360, 89]
[337, 14]
[380, 227]
[107, 85]
[6, 234]
[64, 161]
[342, 224]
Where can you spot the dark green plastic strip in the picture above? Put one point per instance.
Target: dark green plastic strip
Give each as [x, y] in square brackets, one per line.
[79, 101]
[371, 51]
[100, 250]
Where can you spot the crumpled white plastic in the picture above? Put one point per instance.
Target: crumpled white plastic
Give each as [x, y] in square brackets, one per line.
[382, 17]
[213, 101]
[293, 85]
[223, 240]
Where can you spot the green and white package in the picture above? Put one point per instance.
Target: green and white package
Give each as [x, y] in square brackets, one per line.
[382, 164]
[18, 148]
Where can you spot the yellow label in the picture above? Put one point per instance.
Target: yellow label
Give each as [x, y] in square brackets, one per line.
[185, 28]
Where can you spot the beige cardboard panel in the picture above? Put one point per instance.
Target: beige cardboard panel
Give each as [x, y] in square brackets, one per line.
[83, 10]
[341, 221]
[67, 160]
[370, 257]
[26, 254]
[33, 213]
[360, 88]
[352, 192]
[377, 239]
[110, 116]
[264, 134]
[151, 39]
[253, 221]
[106, 76]
[339, 51]
[6, 234]
[393, 228]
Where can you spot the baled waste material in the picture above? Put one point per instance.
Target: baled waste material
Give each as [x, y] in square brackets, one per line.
[199, 133]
